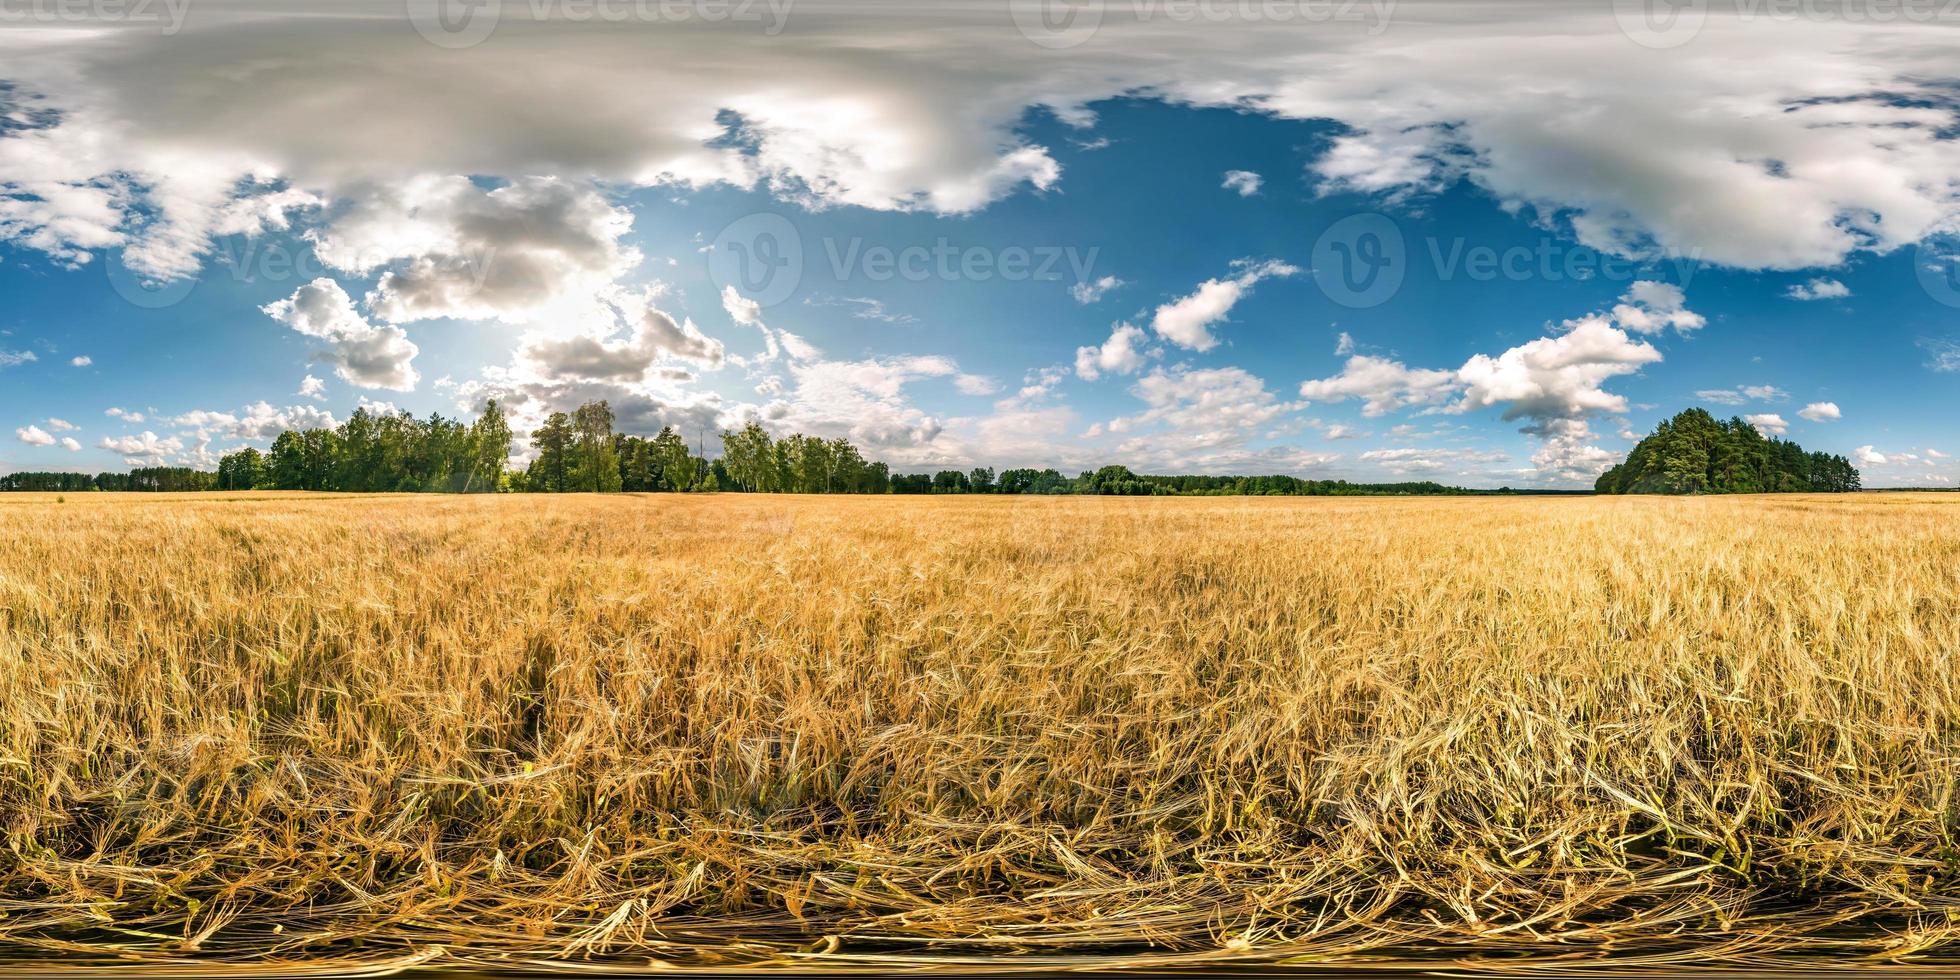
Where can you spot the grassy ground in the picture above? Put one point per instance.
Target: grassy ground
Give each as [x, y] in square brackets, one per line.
[728, 730]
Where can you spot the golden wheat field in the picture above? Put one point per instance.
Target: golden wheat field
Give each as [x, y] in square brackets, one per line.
[752, 731]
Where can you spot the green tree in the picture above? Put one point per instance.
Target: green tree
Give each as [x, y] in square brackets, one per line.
[671, 462]
[241, 470]
[596, 467]
[1695, 453]
[551, 471]
[637, 467]
[749, 457]
[489, 449]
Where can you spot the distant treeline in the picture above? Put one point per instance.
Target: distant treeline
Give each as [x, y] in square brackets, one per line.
[580, 452]
[1695, 453]
[155, 478]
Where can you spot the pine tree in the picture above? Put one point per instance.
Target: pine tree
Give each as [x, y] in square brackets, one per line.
[1694, 453]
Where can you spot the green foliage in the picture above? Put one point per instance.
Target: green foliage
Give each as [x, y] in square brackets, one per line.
[166, 479]
[551, 470]
[489, 444]
[753, 462]
[242, 470]
[1694, 452]
[748, 457]
[52, 482]
[376, 452]
[379, 452]
[1116, 481]
[580, 452]
[658, 464]
[1033, 482]
[594, 464]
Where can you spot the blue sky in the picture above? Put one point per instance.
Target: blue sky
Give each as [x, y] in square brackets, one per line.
[1132, 269]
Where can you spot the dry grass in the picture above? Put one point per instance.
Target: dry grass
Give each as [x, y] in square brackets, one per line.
[717, 731]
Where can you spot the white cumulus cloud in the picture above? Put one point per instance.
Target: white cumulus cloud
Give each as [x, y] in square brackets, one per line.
[1093, 290]
[145, 449]
[1769, 424]
[1651, 307]
[1556, 377]
[651, 337]
[257, 422]
[1790, 144]
[1244, 182]
[1817, 289]
[1187, 321]
[1122, 353]
[1555, 383]
[741, 309]
[1383, 385]
[362, 353]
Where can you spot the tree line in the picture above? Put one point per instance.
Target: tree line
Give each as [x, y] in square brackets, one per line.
[579, 452]
[1694, 452]
[167, 479]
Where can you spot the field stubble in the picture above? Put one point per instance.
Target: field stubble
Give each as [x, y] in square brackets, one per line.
[739, 731]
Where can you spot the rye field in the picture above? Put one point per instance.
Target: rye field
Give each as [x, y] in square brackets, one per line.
[281, 732]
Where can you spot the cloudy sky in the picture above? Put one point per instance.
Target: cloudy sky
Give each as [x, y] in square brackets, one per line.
[1481, 242]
